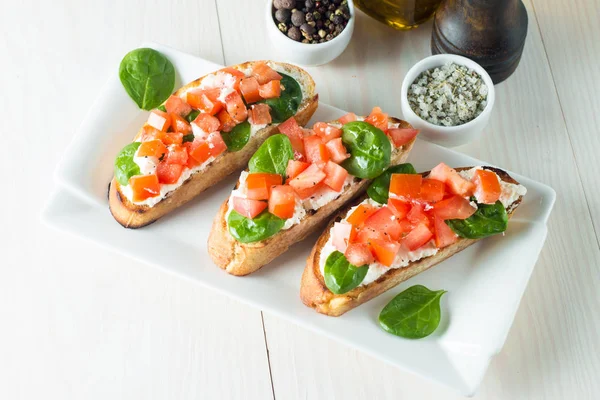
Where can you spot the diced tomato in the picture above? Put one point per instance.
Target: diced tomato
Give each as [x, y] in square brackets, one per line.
[151, 133]
[487, 186]
[237, 74]
[260, 114]
[405, 227]
[152, 148]
[401, 136]
[350, 117]
[258, 186]
[144, 187]
[337, 150]
[263, 73]
[292, 130]
[326, 131]
[207, 122]
[417, 237]
[444, 236]
[180, 124]
[316, 152]
[177, 105]
[360, 214]
[307, 179]
[358, 254]
[159, 120]
[295, 167]
[432, 190]
[399, 208]
[282, 201]
[205, 100]
[177, 155]
[385, 251]
[457, 184]
[168, 173]
[247, 207]
[406, 186]
[378, 119]
[336, 176]
[417, 215]
[249, 88]
[270, 90]
[216, 144]
[236, 107]
[384, 221]
[454, 207]
[227, 123]
[199, 150]
[367, 234]
[172, 138]
[311, 191]
[340, 235]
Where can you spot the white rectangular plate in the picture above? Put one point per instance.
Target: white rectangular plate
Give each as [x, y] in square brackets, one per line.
[485, 282]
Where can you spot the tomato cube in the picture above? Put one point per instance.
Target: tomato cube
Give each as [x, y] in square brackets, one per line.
[177, 155]
[207, 122]
[326, 131]
[176, 105]
[406, 186]
[417, 215]
[432, 190]
[350, 117]
[168, 173]
[400, 208]
[260, 114]
[359, 254]
[216, 144]
[360, 214]
[249, 88]
[384, 221]
[385, 251]
[454, 207]
[336, 176]
[367, 234]
[282, 201]
[292, 130]
[180, 124]
[159, 120]
[417, 237]
[258, 185]
[152, 148]
[307, 179]
[247, 207]
[270, 90]
[199, 150]
[205, 100]
[144, 187]
[172, 138]
[237, 76]
[263, 73]
[457, 184]
[378, 119]
[340, 235]
[316, 152]
[487, 186]
[295, 167]
[151, 133]
[337, 150]
[444, 236]
[402, 136]
[226, 122]
[236, 107]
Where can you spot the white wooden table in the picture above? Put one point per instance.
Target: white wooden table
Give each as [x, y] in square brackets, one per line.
[78, 322]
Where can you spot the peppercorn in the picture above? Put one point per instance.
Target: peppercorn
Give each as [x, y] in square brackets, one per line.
[337, 19]
[309, 17]
[322, 9]
[329, 36]
[319, 24]
[316, 15]
[325, 2]
[282, 15]
[331, 7]
[298, 18]
[337, 2]
[322, 33]
[287, 4]
[294, 33]
[328, 14]
[282, 27]
[306, 29]
[305, 41]
[309, 4]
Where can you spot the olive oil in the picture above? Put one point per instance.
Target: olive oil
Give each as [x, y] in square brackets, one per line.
[399, 14]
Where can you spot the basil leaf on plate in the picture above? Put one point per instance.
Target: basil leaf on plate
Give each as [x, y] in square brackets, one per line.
[125, 167]
[340, 275]
[413, 314]
[237, 138]
[488, 220]
[286, 105]
[380, 187]
[192, 115]
[370, 149]
[246, 230]
[147, 76]
[272, 156]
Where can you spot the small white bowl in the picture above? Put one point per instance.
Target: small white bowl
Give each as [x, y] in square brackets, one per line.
[305, 53]
[448, 136]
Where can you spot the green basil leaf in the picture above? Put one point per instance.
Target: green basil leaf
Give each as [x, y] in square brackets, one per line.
[188, 138]
[488, 220]
[412, 314]
[340, 275]
[125, 168]
[147, 76]
[238, 137]
[272, 156]
[192, 115]
[286, 105]
[246, 230]
[162, 108]
[370, 149]
[380, 187]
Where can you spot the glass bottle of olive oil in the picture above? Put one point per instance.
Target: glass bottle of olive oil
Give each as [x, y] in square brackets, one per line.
[399, 14]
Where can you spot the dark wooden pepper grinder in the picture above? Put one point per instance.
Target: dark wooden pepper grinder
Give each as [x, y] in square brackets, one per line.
[490, 32]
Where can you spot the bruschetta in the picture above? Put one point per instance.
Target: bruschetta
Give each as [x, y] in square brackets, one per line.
[205, 131]
[297, 180]
[406, 224]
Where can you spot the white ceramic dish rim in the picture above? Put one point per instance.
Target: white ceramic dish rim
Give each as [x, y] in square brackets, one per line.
[437, 61]
[308, 46]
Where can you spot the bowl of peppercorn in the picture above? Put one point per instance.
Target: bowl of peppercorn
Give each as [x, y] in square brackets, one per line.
[310, 32]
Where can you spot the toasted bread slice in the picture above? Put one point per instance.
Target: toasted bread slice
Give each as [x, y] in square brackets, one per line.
[315, 294]
[131, 215]
[244, 258]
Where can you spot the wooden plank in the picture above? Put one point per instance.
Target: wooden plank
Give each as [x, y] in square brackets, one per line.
[551, 350]
[81, 322]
